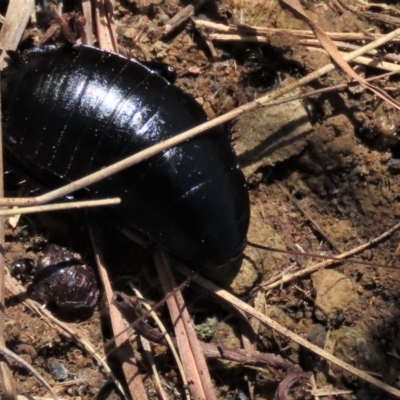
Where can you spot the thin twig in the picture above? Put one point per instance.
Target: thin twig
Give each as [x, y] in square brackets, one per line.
[168, 340]
[23, 364]
[368, 61]
[371, 62]
[316, 267]
[67, 330]
[183, 15]
[88, 28]
[148, 352]
[189, 348]
[348, 46]
[125, 352]
[106, 33]
[211, 351]
[329, 392]
[60, 206]
[20, 397]
[264, 32]
[326, 42]
[323, 257]
[308, 216]
[6, 376]
[150, 359]
[235, 302]
[16, 19]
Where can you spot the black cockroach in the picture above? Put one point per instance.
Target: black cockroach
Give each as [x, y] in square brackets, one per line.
[69, 111]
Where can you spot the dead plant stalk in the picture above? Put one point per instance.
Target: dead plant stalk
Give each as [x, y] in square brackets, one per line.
[235, 302]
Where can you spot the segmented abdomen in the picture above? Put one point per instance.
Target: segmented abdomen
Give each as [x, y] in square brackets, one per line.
[70, 111]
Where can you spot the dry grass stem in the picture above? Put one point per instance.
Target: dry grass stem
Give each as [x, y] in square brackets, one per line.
[149, 353]
[211, 351]
[35, 398]
[183, 344]
[366, 4]
[89, 29]
[169, 341]
[68, 330]
[368, 61]
[16, 19]
[307, 215]
[60, 206]
[23, 364]
[263, 32]
[323, 264]
[381, 17]
[260, 39]
[334, 53]
[235, 302]
[230, 37]
[106, 32]
[150, 359]
[348, 46]
[6, 376]
[124, 349]
[329, 392]
[190, 351]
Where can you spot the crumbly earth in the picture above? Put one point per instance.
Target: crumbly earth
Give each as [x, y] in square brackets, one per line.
[323, 178]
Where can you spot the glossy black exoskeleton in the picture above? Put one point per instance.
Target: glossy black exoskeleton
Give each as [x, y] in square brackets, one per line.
[22, 269]
[63, 279]
[72, 110]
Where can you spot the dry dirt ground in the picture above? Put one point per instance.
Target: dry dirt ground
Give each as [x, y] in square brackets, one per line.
[323, 176]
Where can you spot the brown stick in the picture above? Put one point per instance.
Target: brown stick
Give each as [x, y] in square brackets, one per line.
[125, 351]
[88, 28]
[5, 373]
[189, 348]
[342, 256]
[183, 15]
[264, 32]
[106, 33]
[210, 350]
[267, 321]
[17, 17]
[61, 206]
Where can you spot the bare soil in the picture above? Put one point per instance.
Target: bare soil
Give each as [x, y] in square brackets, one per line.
[322, 179]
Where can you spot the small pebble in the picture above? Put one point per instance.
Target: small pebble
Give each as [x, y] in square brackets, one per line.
[58, 371]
